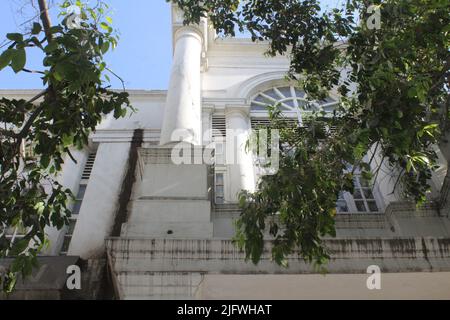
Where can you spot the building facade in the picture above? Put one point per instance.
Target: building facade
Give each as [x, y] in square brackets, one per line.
[164, 227]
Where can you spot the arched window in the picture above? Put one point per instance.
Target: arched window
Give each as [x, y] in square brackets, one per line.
[295, 105]
[291, 100]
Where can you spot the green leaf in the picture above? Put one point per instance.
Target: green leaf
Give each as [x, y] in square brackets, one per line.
[52, 46]
[19, 60]
[105, 47]
[106, 27]
[5, 58]
[409, 165]
[67, 140]
[10, 283]
[57, 76]
[20, 247]
[55, 29]
[37, 28]
[45, 161]
[39, 207]
[17, 37]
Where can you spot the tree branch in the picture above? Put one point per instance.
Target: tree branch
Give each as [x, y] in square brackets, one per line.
[45, 18]
[71, 156]
[33, 117]
[118, 77]
[29, 122]
[7, 133]
[32, 71]
[39, 95]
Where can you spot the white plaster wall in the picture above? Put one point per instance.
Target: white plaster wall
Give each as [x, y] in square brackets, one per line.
[181, 211]
[149, 112]
[168, 180]
[423, 285]
[233, 61]
[100, 203]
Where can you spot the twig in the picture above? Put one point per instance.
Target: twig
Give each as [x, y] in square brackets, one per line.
[374, 152]
[39, 95]
[29, 123]
[400, 175]
[32, 71]
[33, 117]
[71, 156]
[118, 77]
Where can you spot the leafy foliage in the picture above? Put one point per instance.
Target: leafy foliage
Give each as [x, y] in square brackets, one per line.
[37, 134]
[393, 83]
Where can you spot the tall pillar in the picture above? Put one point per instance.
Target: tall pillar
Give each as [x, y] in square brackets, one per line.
[183, 106]
[240, 167]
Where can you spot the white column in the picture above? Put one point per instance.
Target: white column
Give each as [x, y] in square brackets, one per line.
[239, 161]
[100, 203]
[183, 106]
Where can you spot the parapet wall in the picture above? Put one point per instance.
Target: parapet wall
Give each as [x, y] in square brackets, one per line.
[163, 268]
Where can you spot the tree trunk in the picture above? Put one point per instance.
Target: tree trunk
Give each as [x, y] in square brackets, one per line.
[45, 18]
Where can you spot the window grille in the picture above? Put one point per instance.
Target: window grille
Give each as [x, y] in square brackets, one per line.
[219, 127]
[88, 167]
[361, 201]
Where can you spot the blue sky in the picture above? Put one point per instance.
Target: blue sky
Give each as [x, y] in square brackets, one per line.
[142, 57]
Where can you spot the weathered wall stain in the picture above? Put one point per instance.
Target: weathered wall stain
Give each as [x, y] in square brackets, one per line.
[128, 182]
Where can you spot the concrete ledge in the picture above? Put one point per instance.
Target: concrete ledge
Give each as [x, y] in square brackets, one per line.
[221, 256]
[170, 230]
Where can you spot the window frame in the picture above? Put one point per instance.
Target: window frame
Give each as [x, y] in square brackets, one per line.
[351, 201]
[222, 195]
[290, 112]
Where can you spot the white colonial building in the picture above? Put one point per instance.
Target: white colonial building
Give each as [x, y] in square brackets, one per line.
[164, 228]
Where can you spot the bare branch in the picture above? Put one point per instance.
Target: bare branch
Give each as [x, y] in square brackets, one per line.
[45, 18]
[29, 123]
[118, 77]
[33, 117]
[32, 71]
[38, 96]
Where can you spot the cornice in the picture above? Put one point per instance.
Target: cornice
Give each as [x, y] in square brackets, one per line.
[224, 101]
[242, 110]
[123, 135]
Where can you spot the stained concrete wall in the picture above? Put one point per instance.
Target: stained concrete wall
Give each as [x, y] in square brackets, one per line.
[424, 285]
